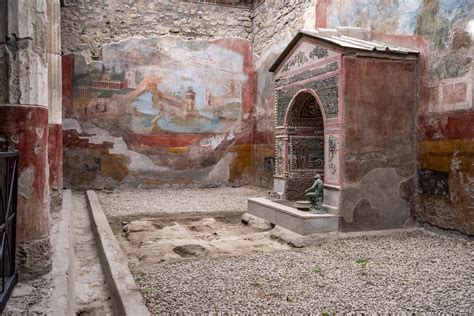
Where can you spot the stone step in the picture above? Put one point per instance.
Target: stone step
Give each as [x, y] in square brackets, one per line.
[303, 223]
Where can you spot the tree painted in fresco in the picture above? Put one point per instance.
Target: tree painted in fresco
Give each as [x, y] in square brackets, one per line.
[150, 84]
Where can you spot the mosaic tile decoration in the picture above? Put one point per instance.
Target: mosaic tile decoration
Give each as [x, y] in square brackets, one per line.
[326, 89]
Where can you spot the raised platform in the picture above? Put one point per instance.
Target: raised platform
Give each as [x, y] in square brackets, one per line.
[300, 222]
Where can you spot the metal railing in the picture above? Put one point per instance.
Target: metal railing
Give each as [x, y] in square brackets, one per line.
[8, 208]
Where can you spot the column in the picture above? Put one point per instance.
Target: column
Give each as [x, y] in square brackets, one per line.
[24, 124]
[55, 149]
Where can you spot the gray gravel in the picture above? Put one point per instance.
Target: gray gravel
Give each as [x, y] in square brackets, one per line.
[174, 200]
[409, 272]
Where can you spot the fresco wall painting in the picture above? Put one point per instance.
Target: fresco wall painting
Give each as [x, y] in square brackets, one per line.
[163, 110]
[443, 32]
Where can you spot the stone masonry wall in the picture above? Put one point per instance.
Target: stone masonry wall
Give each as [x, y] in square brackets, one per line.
[89, 24]
[276, 19]
[182, 111]
[275, 22]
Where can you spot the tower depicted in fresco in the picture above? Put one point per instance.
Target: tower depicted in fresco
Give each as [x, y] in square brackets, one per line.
[190, 100]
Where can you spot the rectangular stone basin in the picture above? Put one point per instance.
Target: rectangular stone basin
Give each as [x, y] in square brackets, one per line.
[300, 222]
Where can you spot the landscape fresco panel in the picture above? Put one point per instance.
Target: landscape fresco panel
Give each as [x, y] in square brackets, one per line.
[169, 105]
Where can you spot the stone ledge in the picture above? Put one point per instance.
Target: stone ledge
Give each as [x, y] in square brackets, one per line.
[62, 240]
[299, 241]
[125, 295]
[231, 3]
[286, 209]
[300, 222]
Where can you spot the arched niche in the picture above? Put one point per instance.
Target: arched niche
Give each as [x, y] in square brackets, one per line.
[304, 133]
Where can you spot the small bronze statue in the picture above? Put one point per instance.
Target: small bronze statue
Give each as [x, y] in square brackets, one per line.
[315, 196]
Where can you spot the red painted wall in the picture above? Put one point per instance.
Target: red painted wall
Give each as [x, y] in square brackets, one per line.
[27, 130]
[445, 132]
[380, 101]
[67, 76]
[55, 156]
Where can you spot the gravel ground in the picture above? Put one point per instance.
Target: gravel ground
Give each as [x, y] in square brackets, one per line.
[169, 200]
[409, 272]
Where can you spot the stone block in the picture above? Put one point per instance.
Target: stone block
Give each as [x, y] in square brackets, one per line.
[332, 198]
[125, 295]
[27, 78]
[63, 259]
[279, 185]
[28, 21]
[256, 222]
[300, 222]
[34, 258]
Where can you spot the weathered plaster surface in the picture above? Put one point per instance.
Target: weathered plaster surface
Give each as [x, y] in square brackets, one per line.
[67, 72]
[446, 183]
[54, 88]
[24, 99]
[221, 171]
[25, 128]
[55, 150]
[182, 113]
[365, 204]
[25, 182]
[23, 54]
[443, 31]
[54, 62]
[265, 121]
[380, 106]
[55, 156]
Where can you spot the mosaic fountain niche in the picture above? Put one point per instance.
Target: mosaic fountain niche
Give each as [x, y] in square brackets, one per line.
[299, 146]
[345, 110]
